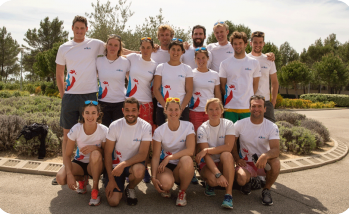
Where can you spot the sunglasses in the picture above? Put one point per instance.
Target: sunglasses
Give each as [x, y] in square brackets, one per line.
[172, 99]
[91, 102]
[114, 35]
[177, 39]
[218, 23]
[143, 38]
[258, 34]
[200, 48]
[257, 97]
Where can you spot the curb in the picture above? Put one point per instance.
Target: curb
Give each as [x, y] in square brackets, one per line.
[292, 165]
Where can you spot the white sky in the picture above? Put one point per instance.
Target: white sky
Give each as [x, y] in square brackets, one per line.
[300, 22]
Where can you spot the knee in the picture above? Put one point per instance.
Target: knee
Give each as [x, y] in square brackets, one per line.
[138, 171]
[274, 164]
[212, 181]
[186, 162]
[240, 179]
[95, 157]
[113, 202]
[61, 180]
[227, 157]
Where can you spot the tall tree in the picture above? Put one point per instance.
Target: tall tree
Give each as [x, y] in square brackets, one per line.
[271, 47]
[287, 53]
[8, 54]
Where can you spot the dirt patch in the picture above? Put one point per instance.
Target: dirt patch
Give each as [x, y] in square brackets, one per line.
[325, 148]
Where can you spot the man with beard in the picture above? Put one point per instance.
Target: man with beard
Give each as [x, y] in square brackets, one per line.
[198, 35]
[268, 70]
[126, 149]
[261, 137]
[239, 76]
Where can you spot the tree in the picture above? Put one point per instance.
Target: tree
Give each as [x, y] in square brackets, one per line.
[9, 50]
[287, 53]
[271, 47]
[295, 72]
[232, 27]
[332, 71]
[343, 52]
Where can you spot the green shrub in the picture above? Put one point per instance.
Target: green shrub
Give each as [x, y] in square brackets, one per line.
[43, 87]
[5, 94]
[13, 93]
[339, 99]
[290, 117]
[30, 88]
[2, 86]
[9, 130]
[316, 126]
[13, 86]
[284, 124]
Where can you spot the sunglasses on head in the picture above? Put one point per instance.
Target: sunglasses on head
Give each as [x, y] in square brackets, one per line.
[258, 34]
[200, 48]
[257, 97]
[114, 35]
[218, 23]
[144, 38]
[91, 102]
[177, 39]
[172, 99]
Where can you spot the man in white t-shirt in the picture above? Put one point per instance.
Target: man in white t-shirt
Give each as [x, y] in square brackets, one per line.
[239, 76]
[268, 70]
[198, 35]
[79, 57]
[165, 35]
[126, 149]
[261, 137]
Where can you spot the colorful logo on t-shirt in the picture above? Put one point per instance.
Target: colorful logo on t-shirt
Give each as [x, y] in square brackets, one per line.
[119, 70]
[261, 137]
[115, 157]
[162, 91]
[151, 72]
[230, 52]
[130, 92]
[246, 152]
[70, 80]
[87, 48]
[264, 67]
[248, 69]
[210, 81]
[103, 91]
[167, 154]
[78, 156]
[227, 98]
[181, 76]
[222, 137]
[192, 104]
[183, 140]
[137, 140]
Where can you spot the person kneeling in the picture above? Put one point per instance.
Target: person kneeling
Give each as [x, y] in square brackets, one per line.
[257, 136]
[216, 138]
[125, 151]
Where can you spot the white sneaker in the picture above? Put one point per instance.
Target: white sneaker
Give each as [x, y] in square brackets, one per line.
[82, 185]
[95, 198]
[166, 194]
[181, 199]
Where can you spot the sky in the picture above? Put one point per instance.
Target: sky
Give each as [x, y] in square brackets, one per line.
[300, 22]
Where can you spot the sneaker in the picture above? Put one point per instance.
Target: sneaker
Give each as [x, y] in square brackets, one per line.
[262, 179]
[181, 199]
[54, 182]
[209, 191]
[228, 201]
[95, 199]
[256, 183]
[246, 189]
[82, 186]
[146, 178]
[166, 194]
[266, 197]
[194, 179]
[131, 196]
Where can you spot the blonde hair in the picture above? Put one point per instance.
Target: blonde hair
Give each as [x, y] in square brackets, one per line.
[214, 100]
[238, 35]
[165, 27]
[221, 25]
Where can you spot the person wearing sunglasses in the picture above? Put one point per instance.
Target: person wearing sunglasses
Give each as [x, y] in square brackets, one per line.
[177, 140]
[90, 137]
[126, 148]
[198, 35]
[268, 71]
[173, 79]
[78, 56]
[165, 35]
[239, 77]
[216, 138]
[112, 69]
[258, 136]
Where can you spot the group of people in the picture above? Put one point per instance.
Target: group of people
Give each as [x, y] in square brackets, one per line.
[192, 87]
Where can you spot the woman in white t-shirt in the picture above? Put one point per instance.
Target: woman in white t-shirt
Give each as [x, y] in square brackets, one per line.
[216, 138]
[90, 137]
[206, 86]
[177, 140]
[112, 69]
[173, 79]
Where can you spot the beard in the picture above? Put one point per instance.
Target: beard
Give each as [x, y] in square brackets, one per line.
[131, 122]
[199, 43]
[257, 51]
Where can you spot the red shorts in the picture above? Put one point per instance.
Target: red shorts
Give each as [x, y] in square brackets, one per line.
[197, 118]
[252, 169]
[146, 112]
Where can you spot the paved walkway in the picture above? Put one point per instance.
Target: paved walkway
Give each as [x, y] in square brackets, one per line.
[319, 190]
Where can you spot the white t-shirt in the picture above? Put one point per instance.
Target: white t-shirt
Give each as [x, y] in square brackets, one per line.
[204, 84]
[160, 56]
[239, 86]
[173, 141]
[112, 79]
[254, 138]
[173, 80]
[188, 58]
[267, 68]
[215, 136]
[219, 54]
[78, 135]
[140, 77]
[80, 59]
[128, 138]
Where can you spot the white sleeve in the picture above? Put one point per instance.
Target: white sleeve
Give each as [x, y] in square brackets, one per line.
[60, 58]
[209, 62]
[130, 56]
[157, 135]
[101, 48]
[74, 132]
[128, 65]
[217, 80]
[159, 69]
[147, 136]
[272, 69]
[201, 135]
[237, 128]
[257, 72]
[222, 73]
[112, 133]
[190, 128]
[188, 71]
[274, 132]
[230, 130]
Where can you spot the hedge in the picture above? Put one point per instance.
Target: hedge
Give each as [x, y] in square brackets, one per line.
[340, 100]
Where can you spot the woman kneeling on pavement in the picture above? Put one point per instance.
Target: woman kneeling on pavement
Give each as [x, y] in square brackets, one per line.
[216, 138]
[177, 139]
[89, 136]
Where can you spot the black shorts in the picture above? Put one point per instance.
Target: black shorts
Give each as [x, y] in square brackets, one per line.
[83, 166]
[161, 118]
[111, 112]
[71, 109]
[170, 166]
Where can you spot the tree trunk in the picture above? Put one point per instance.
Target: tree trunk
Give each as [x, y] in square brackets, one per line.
[286, 90]
[295, 89]
[329, 89]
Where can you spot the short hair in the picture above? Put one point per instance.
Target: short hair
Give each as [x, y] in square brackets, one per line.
[165, 27]
[214, 100]
[178, 43]
[99, 111]
[117, 37]
[198, 27]
[78, 18]
[257, 34]
[171, 100]
[257, 97]
[146, 39]
[131, 100]
[221, 24]
[238, 35]
[202, 51]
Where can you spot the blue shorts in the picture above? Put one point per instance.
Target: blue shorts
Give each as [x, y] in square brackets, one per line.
[120, 180]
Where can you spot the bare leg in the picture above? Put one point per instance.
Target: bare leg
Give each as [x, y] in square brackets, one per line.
[166, 179]
[273, 173]
[95, 167]
[115, 199]
[136, 175]
[184, 172]
[227, 165]
[242, 176]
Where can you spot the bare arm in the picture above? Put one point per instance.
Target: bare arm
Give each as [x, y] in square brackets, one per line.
[139, 157]
[60, 78]
[255, 84]
[108, 161]
[71, 182]
[156, 90]
[217, 92]
[223, 83]
[189, 92]
[127, 51]
[274, 88]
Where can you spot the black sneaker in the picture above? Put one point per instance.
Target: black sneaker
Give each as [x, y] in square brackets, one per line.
[246, 189]
[255, 183]
[146, 178]
[130, 195]
[266, 197]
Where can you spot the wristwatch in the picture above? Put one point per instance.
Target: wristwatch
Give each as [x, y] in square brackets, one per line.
[218, 175]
